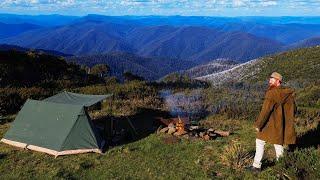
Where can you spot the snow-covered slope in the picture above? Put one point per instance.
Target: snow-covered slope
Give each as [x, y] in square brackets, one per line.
[211, 67]
[237, 73]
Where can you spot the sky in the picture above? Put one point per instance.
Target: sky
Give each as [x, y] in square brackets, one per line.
[164, 7]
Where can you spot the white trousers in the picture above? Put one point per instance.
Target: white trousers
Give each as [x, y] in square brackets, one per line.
[260, 151]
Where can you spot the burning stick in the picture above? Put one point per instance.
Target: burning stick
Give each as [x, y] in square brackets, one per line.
[180, 127]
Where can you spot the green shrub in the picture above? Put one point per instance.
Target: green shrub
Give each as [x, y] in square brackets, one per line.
[300, 64]
[300, 164]
[309, 96]
[11, 99]
[243, 103]
[127, 98]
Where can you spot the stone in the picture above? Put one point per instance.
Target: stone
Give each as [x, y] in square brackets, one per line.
[222, 133]
[176, 134]
[206, 137]
[171, 130]
[183, 132]
[171, 125]
[179, 133]
[193, 128]
[164, 130]
[201, 134]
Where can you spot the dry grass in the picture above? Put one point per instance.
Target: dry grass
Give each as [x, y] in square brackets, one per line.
[236, 156]
[222, 123]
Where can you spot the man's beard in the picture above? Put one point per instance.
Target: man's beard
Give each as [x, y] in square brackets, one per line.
[272, 85]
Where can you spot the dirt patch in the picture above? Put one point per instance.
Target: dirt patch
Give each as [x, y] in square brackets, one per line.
[171, 140]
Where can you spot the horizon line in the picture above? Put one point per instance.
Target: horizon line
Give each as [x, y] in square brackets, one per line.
[155, 15]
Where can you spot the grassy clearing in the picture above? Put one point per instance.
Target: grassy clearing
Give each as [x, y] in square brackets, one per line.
[153, 158]
[148, 158]
[145, 159]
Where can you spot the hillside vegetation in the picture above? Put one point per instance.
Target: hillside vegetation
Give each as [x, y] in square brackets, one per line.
[32, 68]
[300, 65]
[148, 68]
[36, 75]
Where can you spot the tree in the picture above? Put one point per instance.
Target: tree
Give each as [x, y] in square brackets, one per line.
[85, 68]
[101, 70]
[128, 76]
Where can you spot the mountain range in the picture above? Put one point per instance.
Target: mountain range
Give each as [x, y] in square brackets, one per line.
[152, 20]
[40, 20]
[315, 41]
[9, 30]
[284, 33]
[153, 46]
[7, 47]
[199, 44]
[148, 68]
[199, 39]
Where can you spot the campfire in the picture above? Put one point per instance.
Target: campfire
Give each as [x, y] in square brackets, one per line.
[182, 108]
[181, 127]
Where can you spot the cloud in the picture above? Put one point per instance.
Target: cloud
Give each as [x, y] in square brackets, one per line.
[238, 3]
[19, 3]
[268, 3]
[164, 7]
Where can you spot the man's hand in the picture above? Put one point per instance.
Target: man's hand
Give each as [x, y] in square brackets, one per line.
[257, 129]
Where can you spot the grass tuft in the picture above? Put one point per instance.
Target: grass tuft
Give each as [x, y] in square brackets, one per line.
[236, 156]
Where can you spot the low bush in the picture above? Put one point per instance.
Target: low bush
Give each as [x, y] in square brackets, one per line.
[309, 96]
[11, 99]
[300, 164]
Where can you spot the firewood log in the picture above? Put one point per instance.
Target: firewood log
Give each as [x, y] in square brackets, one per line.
[222, 133]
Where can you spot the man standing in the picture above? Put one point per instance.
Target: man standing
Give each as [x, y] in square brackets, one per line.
[275, 123]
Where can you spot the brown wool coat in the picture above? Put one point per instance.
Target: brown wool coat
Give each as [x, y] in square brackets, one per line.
[276, 119]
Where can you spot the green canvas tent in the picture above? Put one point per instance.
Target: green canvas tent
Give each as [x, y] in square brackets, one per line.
[58, 125]
[77, 99]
